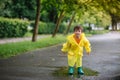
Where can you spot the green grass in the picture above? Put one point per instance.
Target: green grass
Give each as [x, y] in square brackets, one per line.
[63, 72]
[12, 49]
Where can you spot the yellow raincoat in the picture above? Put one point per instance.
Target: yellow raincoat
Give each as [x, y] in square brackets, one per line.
[75, 50]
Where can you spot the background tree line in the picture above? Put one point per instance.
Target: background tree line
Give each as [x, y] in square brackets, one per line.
[97, 12]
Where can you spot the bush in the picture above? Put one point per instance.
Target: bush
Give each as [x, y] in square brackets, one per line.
[12, 27]
[48, 28]
[44, 28]
[62, 28]
[87, 29]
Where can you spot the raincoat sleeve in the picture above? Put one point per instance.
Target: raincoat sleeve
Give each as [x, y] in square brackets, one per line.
[65, 47]
[87, 45]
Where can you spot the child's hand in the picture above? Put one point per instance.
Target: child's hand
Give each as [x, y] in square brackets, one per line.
[88, 53]
[63, 52]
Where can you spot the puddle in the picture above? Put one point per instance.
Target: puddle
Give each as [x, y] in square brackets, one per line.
[63, 72]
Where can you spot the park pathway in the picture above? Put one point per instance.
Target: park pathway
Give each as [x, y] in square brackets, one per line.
[40, 64]
[105, 56]
[11, 40]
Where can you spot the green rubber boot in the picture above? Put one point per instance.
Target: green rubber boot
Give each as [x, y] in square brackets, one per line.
[71, 70]
[80, 71]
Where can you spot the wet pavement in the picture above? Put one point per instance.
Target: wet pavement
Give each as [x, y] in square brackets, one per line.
[105, 56]
[41, 63]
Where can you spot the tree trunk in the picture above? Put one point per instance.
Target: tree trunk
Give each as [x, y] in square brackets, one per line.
[114, 22]
[69, 25]
[89, 27]
[35, 31]
[114, 25]
[58, 23]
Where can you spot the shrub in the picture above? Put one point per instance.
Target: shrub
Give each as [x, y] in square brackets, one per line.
[12, 27]
[62, 28]
[49, 27]
[44, 28]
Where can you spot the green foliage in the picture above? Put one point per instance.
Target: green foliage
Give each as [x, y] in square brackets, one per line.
[96, 12]
[50, 10]
[12, 27]
[111, 7]
[86, 28]
[62, 28]
[3, 2]
[28, 34]
[18, 9]
[48, 28]
[12, 49]
[44, 28]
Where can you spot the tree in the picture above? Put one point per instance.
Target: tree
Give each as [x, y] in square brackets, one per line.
[19, 9]
[58, 23]
[79, 7]
[92, 13]
[111, 7]
[71, 20]
[95, 16]
[61, 8]
[34, 38]
[3, 5]
[65, 6]
[49, 11]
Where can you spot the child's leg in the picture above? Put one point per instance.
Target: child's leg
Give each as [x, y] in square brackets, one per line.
[79, 65]
[71, 63]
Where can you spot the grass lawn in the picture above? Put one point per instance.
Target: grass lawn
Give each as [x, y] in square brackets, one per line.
[12, 49]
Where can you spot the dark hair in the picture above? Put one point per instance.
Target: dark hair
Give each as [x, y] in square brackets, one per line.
[77, 27]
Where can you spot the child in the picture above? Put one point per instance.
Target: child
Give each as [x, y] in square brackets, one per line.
[74, 48]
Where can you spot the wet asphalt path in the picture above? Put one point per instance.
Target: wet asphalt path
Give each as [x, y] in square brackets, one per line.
[105, 56]
[39, 64]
